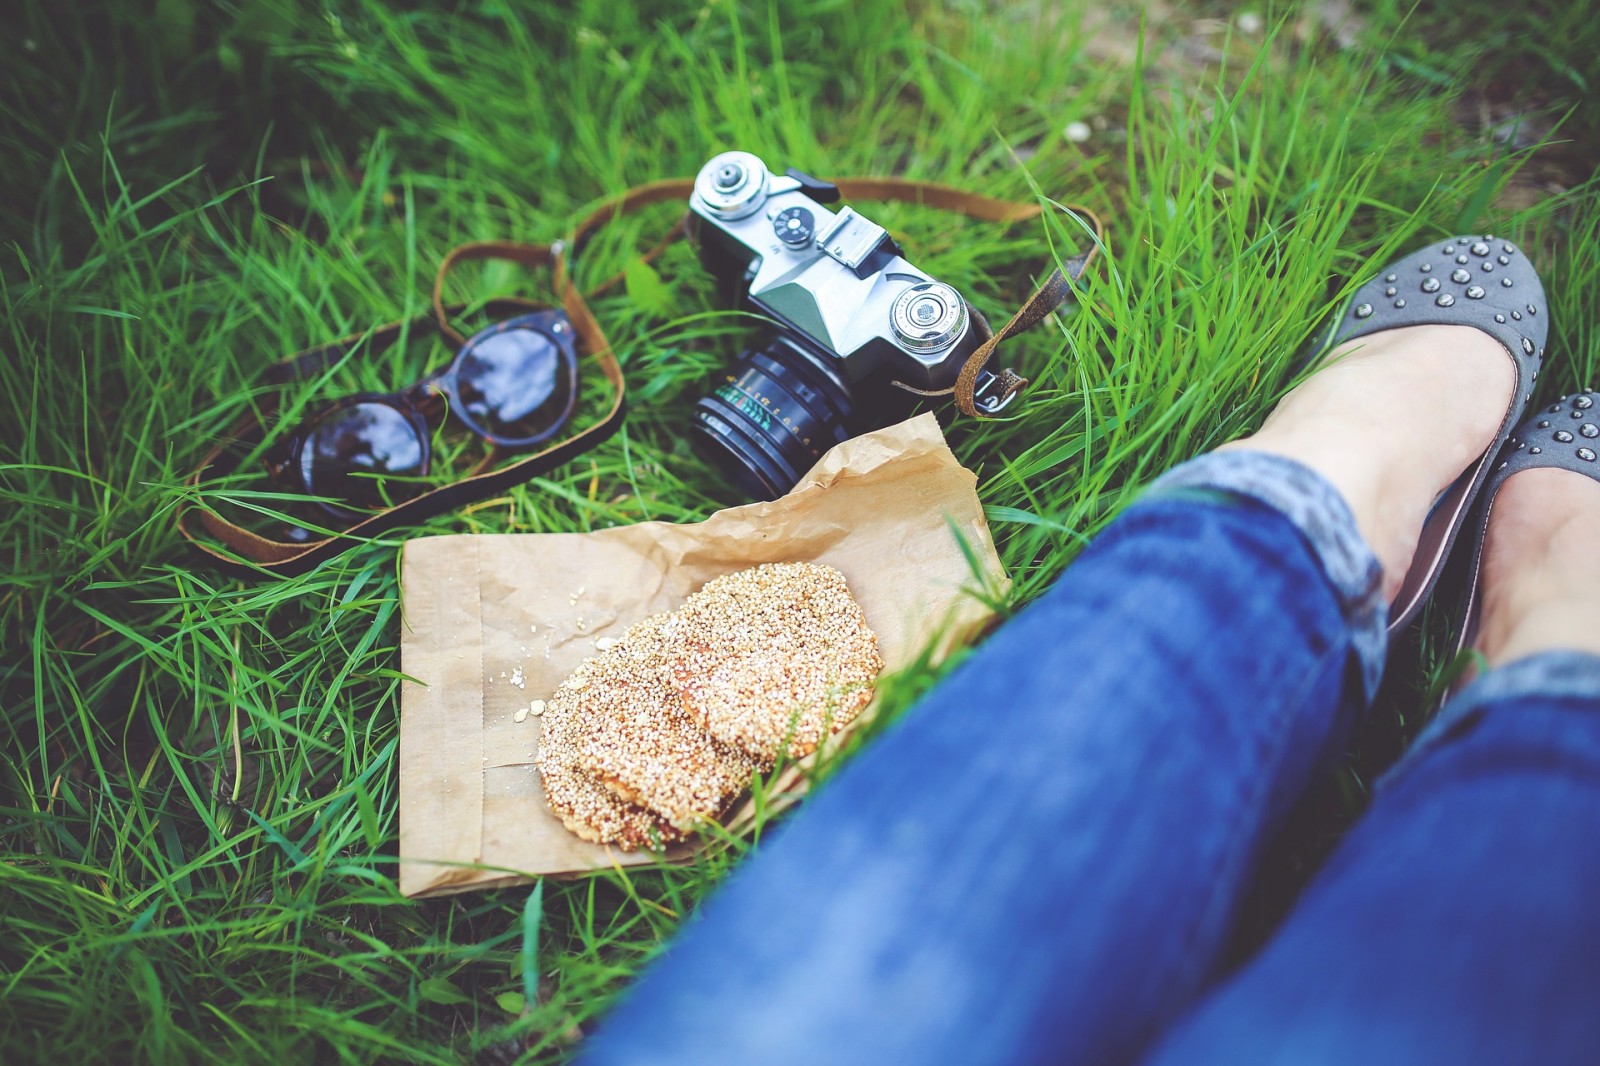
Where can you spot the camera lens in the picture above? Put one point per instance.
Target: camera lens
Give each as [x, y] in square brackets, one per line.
[773, 417]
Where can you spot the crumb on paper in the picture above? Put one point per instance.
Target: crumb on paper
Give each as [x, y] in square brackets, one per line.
[536, 708]
[606, 643]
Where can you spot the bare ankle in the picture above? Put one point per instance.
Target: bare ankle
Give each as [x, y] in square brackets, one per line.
[1391, 421]
[1541, 574]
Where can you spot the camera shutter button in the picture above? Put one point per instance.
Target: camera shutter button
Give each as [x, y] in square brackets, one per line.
[928, 317]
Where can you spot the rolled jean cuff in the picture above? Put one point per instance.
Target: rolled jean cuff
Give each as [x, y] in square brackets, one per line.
[1315, 507]
[1556, 675]
[1551, 674]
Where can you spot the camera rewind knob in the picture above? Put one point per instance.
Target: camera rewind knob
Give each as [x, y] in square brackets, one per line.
[732, 186]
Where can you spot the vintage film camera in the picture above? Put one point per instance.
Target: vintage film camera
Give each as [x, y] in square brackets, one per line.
[850, 318]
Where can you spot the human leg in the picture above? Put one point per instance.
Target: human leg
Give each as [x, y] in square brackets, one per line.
[1044, 852]
[1459, 920]
[1040, 860]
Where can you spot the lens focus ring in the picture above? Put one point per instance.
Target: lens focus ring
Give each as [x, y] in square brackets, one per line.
[928, 318]
[774, 417]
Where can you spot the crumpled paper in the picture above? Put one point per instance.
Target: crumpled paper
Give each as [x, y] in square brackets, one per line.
[495, 622]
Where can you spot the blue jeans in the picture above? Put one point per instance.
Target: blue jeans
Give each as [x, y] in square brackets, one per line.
[1042, 860]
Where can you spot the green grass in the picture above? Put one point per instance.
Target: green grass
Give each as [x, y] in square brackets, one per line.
[198, 777]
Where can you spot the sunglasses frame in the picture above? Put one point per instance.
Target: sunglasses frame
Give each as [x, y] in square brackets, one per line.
[554, 325]
[286, 461]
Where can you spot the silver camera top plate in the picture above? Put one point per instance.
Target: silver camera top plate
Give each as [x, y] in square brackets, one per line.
[817, 284]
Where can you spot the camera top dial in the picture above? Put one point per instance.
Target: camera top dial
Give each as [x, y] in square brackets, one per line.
[732, 186]
[795, 226]
[928, 317]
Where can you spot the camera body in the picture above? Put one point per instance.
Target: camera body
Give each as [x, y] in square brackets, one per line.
[850, 316]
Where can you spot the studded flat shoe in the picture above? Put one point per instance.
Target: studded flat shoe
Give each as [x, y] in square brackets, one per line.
[1468, 281]
[1566, 436]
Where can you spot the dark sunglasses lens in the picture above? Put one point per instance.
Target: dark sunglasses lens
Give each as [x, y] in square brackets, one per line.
[516, 386]
[352, 454]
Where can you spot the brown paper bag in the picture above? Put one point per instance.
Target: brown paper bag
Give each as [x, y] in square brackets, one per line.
[494, 622]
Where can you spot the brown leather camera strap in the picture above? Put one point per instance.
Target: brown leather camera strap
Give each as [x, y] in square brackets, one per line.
[288, 557]
[1044, 300]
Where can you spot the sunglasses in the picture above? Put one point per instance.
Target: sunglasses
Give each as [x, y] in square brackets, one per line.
[514, 385]
[365, 458]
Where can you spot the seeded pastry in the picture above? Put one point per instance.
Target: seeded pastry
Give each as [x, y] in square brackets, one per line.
[658, 732]
[642, 745]
[773, 659]
[585, 806]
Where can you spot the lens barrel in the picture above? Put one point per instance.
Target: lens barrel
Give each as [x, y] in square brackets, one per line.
[773, 417]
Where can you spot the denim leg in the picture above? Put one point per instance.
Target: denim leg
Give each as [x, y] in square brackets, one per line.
[1041, 859]
[1459, 922]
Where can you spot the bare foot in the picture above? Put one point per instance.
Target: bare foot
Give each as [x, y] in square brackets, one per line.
[1391, 419]
[1541, 569]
